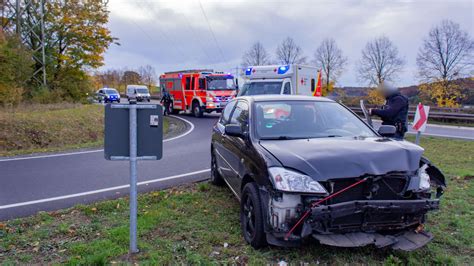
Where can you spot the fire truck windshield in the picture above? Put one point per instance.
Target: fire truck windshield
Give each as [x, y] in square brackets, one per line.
[220, 83]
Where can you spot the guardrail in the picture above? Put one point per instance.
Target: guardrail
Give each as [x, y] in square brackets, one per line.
[441, 114]
[434, 115]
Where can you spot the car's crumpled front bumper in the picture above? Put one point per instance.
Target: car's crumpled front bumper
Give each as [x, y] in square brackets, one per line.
[384, 223]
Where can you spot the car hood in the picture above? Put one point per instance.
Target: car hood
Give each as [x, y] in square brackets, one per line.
[331, 158]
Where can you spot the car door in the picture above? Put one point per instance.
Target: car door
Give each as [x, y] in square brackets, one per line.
[236, 146]
[221, 153]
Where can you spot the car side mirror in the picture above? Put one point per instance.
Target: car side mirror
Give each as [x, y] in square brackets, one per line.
[387, 130]
[233, 130]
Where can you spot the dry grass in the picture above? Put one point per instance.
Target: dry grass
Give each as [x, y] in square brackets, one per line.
[36, 128]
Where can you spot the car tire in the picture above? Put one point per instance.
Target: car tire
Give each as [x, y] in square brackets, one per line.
[148, 100]
[216, 178]
[100, 100]
[197, 110]
[251, 217]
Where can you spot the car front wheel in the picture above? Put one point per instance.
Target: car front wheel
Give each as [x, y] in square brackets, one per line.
[251, 217]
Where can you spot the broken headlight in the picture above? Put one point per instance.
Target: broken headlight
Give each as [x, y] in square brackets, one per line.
[291, 181]
[420, 182]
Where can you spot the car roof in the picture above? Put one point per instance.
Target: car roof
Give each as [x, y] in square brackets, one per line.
[281, 97]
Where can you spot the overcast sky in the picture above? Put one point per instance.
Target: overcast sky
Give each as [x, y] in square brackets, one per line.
[174, 34]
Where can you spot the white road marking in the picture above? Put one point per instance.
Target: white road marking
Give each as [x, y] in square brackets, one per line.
[191, 128]
[26, 203]
[50, 155]
[99, 150]
[443, 136]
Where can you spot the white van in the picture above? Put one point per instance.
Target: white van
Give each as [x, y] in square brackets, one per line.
[279, 79]
[139, 92]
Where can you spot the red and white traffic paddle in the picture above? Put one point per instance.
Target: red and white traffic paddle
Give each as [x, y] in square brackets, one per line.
[420, 121]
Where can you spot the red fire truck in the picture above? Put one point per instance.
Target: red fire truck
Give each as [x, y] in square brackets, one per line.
[198, 91]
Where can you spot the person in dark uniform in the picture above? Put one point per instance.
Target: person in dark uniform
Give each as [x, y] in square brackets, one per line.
[166, 101]
[395, 110]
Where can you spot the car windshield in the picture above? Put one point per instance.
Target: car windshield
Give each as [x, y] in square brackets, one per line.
[142, 90]
[220, 83]
[307, 119]
[111, 91]
[257, 88]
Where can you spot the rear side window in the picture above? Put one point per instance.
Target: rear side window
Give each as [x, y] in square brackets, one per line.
[226, 113]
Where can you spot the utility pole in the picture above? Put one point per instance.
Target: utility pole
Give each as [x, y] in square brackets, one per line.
[19, 18]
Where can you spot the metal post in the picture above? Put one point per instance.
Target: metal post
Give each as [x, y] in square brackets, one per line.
[43, 54]
[18, 18]
[133, 177]
[418, 135]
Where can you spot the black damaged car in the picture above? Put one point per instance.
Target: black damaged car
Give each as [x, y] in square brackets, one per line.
[307, 167]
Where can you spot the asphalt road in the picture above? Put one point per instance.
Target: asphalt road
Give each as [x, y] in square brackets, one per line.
[56, 181]
[52, 182]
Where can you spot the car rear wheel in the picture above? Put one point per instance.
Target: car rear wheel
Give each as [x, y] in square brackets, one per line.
[216, 178]
[251, 217]
[197, 110]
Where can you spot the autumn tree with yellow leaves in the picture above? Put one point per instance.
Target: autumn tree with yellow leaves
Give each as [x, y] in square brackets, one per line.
[76, 38]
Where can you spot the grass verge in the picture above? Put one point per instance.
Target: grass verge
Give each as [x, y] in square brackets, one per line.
[51, 128]
[199, 224]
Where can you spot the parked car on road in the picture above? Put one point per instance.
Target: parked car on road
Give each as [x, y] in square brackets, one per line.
[108, 95]
[139, 92]
[309, 167]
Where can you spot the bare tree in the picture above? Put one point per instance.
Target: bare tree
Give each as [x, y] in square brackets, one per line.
[147, 75]
[256, 56]
[330, 59]
[130, 77]
[379, 62]
[109, 78]
[446, 53]
[290, 53]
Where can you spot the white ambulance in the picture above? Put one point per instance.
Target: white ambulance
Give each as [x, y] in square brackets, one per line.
[279, 79]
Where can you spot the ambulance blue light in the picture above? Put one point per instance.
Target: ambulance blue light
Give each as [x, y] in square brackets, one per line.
[283, 69]
[248, 71]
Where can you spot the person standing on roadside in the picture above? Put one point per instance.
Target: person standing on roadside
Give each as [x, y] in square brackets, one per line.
[395, 110]
[166, 102]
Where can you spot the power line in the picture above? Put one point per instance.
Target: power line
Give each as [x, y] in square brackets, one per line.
[163, 34]
[212, 32]
[196, 37]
